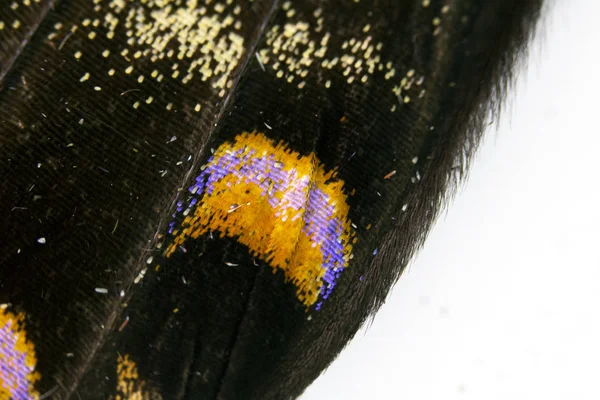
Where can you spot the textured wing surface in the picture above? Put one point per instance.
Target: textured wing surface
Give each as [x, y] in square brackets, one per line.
[206, 199]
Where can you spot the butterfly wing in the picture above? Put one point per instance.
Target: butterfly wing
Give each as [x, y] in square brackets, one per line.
[207, 199]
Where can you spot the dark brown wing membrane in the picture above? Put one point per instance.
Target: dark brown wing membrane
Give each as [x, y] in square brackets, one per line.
[205, 200]
[19, 20]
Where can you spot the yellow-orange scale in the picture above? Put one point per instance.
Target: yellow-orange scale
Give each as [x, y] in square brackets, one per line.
[263, 199]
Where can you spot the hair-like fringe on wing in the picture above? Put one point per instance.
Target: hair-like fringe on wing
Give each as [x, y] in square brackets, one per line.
[454, 150]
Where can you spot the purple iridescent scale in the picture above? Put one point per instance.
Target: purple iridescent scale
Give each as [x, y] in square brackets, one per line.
[293, 192]
[14, 371]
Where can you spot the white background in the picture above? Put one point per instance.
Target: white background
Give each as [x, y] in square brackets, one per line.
[504, 300]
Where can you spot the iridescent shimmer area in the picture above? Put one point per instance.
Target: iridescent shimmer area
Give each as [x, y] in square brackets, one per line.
[283, 206]
[17, 359]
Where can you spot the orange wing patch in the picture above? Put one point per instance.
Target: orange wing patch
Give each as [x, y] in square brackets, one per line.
[283, 206]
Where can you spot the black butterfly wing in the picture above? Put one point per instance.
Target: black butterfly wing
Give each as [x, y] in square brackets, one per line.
[207, 199]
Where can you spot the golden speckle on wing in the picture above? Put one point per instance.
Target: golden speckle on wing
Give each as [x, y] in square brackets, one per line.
[410, 83]
[296, 48]
[197, 39]
[291, 49]
[437, 21]
[16, 8]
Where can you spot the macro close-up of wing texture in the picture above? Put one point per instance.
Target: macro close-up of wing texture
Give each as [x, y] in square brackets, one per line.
[206, 199]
